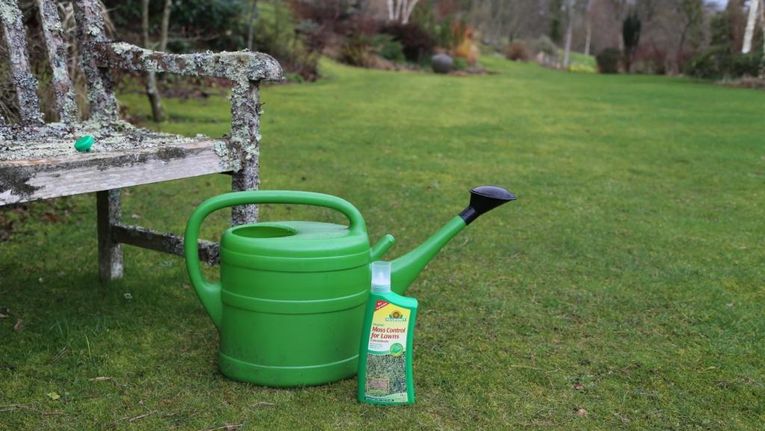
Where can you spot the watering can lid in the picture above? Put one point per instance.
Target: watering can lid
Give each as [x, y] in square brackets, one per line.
[294, 246]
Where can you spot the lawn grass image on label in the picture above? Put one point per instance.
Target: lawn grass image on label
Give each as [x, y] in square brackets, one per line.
[386, 377]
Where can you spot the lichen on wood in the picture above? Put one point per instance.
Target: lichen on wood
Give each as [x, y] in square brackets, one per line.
[245, 139]
[27, 180]
[109, 212]
[66, 106]
[90, 31]
[209, 252]
[235, 66]
[53, 140]
[23, 80]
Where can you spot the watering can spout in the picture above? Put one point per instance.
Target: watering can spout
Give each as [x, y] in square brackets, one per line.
[406, 268]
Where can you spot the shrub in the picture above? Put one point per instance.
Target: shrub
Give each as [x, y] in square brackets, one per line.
[608, 60]
[357, 51]
[545, 45]
[440, 25]
[517, 51]
[747, 64]
[460, 63]
[718, 62]
[416, 43]
[650, 58]
[292, 43]
[714, 63]
[388, 48]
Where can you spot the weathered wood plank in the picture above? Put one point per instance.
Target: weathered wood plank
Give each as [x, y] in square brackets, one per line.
[108, 213]
[235, 66]
[23, 80]
[209, 252]
[66, 106]
[26, 180]
[245, 140]
[90, 31]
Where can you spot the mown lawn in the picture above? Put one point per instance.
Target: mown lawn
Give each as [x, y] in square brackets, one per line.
[625, 288]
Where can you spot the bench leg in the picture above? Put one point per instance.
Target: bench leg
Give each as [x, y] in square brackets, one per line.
[245, 136]
[246, 179]
[109, 251]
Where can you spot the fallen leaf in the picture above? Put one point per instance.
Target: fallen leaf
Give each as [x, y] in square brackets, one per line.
[3, 316]
[19, 326]
[52, 217]
[578, 386]
[100, 379]
[581, 412]
[53, 395]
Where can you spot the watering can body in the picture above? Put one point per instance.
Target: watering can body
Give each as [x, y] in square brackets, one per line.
[290, 302]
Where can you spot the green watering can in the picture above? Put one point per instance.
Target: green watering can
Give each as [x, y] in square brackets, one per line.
[290, 302]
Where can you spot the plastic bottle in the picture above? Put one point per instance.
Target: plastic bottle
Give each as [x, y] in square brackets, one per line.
[385, 355]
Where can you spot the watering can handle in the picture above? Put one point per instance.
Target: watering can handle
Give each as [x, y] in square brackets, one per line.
[208, 292]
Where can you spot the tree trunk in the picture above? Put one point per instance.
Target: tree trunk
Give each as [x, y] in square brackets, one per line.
[588, 25]
[409, 7]
[750, 25]
[157, 112]
[762, 25]
[400, 9]
[588, 38]
[251, 23]
[680, 46]
[569, 33]
[165, 25]
[163, 30]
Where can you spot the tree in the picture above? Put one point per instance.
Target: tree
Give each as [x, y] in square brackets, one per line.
[588, 27]
[506, 19]
[735, 11]
[157, 112]
[750, 25]
[762, 23]
[692, 12]
[569, 33]
[556, 7]
[400, 10]
[251, 23]
[631, 36]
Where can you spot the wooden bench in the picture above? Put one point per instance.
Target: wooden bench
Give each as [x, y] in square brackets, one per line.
[38, 159]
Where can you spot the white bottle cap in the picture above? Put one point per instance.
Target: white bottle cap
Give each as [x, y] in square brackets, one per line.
[380, 276]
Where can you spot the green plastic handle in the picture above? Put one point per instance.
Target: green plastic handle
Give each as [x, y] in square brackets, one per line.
[209, 292]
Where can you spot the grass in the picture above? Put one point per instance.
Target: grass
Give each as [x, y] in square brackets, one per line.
[623, 290]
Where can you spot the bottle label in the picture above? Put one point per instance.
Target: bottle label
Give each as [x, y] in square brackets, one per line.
[386, 358]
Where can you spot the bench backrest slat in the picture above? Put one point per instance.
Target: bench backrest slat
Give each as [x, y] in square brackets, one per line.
[21, 75]
[53, 33]
[90, 30]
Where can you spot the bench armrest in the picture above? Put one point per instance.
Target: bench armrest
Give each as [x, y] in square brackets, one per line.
[234, 66]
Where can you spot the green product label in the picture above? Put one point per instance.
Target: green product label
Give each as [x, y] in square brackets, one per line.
[386, 361]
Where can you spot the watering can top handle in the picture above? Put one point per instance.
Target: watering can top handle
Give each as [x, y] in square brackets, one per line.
[356, 221]
[209, 293]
